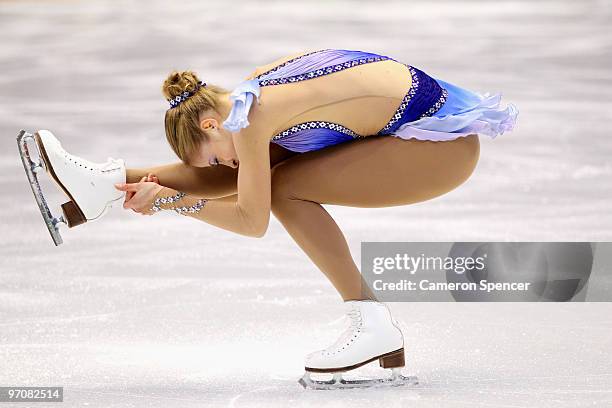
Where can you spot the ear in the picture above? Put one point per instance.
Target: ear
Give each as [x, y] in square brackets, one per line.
[205, 124]
[209, 123]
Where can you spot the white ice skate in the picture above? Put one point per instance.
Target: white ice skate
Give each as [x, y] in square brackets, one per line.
[90, 186]
[371, 335]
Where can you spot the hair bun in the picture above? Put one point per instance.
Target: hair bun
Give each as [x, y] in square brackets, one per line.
[179, 82]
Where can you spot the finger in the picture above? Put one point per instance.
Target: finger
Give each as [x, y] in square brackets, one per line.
[128, 197]
[131, 203]
[127, 186]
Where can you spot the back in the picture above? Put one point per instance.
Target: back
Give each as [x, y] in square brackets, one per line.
[330, 96]
[362, 98]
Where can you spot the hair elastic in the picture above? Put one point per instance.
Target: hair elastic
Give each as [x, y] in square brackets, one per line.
[176, 101]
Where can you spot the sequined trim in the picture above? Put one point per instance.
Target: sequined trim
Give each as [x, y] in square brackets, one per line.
[192, 209]
[436, 107]
[157, 204]
[166, 200]
[323, 71]
[411, 92]
[316, 125]
[288, 62]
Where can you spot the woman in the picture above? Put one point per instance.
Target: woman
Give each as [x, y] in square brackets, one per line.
[330, 126]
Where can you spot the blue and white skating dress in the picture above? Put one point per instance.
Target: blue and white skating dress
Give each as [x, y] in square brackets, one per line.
[432, 109]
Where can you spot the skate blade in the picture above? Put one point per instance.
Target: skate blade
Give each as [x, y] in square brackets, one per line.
[339, 383]
[31, 169]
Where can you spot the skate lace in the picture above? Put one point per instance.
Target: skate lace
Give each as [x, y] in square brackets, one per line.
[110, 165]
[77, 160]
[350, 333]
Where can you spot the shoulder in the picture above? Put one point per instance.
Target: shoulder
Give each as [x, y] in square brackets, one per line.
[262, 121]
[260, 112]
[252, 142]
[254, 111]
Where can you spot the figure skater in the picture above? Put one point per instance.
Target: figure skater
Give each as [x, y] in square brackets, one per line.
[330, 126]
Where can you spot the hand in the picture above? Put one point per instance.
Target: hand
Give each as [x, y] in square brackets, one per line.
[140, 196]
[149, 177]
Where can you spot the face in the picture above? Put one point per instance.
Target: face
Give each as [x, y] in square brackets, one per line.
[218, 149]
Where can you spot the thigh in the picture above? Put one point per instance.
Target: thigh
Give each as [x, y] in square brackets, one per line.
[377, 171]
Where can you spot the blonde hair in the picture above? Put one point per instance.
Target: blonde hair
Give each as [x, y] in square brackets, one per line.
[182, 123]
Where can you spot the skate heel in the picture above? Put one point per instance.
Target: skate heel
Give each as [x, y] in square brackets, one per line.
[73, 214]
[393, 359]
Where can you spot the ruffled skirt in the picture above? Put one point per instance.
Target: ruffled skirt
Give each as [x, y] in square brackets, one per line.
[465, 112]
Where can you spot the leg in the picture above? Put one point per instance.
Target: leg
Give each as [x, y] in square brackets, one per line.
[207, 182]
[378, 171]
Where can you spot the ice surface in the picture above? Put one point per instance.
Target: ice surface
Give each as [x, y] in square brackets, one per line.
[164, 311]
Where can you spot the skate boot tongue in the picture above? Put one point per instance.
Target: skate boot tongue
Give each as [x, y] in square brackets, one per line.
[112, 164]
[353, 320]
[351, 305]
[352, 310]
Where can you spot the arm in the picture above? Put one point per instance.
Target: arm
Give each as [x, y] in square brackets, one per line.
[247, 214]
